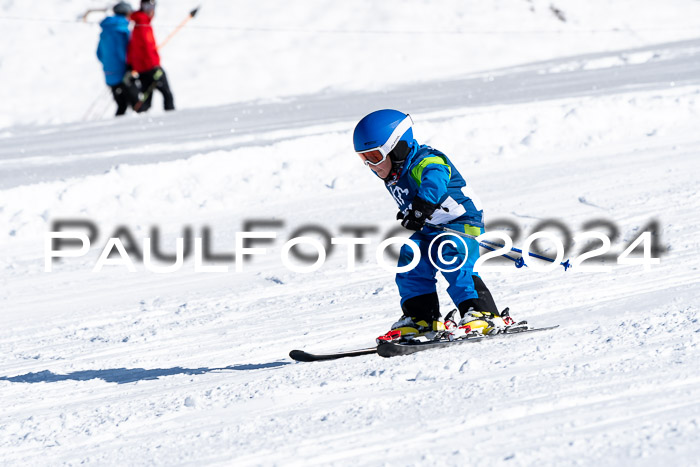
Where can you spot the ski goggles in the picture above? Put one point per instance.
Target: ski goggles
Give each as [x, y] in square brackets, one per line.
[375, 156]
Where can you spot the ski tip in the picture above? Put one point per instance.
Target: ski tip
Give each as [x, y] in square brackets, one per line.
[300, 356]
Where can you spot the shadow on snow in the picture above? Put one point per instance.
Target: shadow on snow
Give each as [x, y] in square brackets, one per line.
[128, 375]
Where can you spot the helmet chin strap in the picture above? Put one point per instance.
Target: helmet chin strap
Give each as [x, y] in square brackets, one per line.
[398, 156]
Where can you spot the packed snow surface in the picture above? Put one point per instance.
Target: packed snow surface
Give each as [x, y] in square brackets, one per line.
[236, 51]
[117, 367]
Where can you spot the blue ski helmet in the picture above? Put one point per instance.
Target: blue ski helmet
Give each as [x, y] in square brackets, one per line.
[382, 130]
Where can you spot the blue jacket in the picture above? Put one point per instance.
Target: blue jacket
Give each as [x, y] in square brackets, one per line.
[428, 173]
[111, 50]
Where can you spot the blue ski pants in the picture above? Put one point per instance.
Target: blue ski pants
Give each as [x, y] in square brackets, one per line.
[421, 279]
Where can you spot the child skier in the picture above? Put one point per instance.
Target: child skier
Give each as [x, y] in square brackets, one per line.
[111, 51]
[427, 186]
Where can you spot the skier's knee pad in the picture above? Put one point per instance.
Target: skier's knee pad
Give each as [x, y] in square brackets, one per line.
[425, 307]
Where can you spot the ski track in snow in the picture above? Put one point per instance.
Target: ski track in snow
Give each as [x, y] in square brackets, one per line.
[189, 368]
[53, 152]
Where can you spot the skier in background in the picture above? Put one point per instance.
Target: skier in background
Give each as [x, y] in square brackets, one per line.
[427, 186]
[143, 58]
[111, 51]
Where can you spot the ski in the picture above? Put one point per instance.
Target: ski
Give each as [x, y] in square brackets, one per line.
[407, 348]
[302, 356]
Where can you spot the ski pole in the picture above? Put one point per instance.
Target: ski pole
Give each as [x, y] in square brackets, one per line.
[566, 264]
[156, 76]
[518, 263]
[84, 16]
[92, 110]
[179, 26]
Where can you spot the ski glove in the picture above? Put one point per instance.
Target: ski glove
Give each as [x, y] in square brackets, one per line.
[419, 213]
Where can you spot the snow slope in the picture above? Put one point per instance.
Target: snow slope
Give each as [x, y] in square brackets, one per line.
[240, 51]
[115, 368]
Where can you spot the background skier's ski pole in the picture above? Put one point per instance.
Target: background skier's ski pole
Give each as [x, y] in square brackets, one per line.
[84, 16]
[179, 26]
[93, 109]
[489, 245]
[156, 76]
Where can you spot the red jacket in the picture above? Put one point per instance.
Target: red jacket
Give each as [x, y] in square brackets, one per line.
[142, 54]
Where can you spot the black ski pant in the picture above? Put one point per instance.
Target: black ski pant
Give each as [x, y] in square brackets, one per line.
[152, 80]
[125, 95]
[427, 306]
[484, 302]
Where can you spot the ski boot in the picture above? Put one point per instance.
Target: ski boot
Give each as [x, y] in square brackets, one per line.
[488, 323]
[421, 320]
[411, 328]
